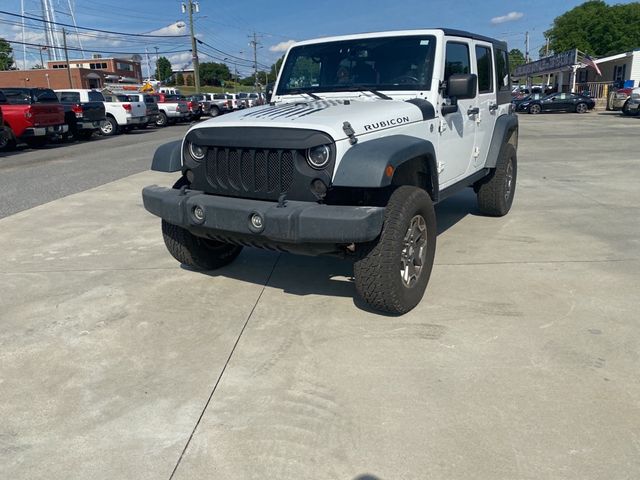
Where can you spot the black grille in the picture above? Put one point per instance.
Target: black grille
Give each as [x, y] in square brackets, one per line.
[264, 173]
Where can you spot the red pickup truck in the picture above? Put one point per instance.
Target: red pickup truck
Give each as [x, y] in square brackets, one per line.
[33, 116]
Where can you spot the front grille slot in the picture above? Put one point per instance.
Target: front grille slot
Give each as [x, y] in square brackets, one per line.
[265, 173]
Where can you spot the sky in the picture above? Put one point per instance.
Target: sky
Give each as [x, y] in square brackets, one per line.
[226, 27]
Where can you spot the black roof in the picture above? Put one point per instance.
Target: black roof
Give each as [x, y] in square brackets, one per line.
[461, 33]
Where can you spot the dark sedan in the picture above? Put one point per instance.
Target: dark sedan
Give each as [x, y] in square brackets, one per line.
[556, 102]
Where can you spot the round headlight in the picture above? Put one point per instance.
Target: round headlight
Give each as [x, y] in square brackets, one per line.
[197, 151]
[318, 157]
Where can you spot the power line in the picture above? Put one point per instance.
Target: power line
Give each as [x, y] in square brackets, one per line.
[96, 51]
[89, 29]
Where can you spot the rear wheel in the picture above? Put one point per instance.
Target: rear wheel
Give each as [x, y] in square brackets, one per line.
[627, 111]
[109, 127]
[393, 273]
[535, 109]
[7, 141]
[496, 192]
[197, 252]
[161, 120]
[214, 112]
[582, 108]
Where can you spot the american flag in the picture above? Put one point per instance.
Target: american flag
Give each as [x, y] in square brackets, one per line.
[588, 61]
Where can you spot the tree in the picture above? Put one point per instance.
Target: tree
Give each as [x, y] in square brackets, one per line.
[212, 73]
[596, 28]
[275, 68]
[6, 55]
[516, 58]
[163, 71]
[179, 79]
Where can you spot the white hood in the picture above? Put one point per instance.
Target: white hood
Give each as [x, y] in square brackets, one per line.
[329, 116]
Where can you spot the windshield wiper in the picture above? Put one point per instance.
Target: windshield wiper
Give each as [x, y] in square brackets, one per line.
[302, 92]
[359, 88]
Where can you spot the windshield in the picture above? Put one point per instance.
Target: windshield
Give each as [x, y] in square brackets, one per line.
[389, 63]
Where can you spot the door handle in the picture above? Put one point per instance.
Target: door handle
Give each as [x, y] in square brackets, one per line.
[473, 111]
[493, 107]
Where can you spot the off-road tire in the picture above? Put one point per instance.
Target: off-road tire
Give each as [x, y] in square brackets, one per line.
[7, 142]
[535, 109]
[377, 272]
[199, 253]
[109, 127]
[496, 191]
[162, 120]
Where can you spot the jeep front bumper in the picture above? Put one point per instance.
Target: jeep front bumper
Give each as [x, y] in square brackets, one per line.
[294, 223]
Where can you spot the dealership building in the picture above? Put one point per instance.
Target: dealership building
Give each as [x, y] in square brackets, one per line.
[85, 73]
[569, 72]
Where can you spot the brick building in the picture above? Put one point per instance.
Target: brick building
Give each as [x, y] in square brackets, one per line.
[86, 73]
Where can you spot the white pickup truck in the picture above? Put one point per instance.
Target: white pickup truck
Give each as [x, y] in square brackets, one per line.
[122, 115]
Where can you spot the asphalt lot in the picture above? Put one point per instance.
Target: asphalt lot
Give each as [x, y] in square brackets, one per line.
[521, 362]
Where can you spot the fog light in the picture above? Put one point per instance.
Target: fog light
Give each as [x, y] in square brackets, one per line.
[256, 221]
[319, 187]
[198, 213]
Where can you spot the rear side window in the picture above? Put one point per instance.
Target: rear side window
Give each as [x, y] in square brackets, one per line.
[485, 69]
[3, 99]
[457, 59]
[148, 99]
[96, 96]
[17, 96]
[69, 97]
[502, 69]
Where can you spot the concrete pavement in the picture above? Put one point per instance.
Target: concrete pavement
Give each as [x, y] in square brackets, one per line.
[520, 363]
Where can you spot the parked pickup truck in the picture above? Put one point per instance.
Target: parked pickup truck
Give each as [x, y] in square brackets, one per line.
[122, 116]
[150, 103]
[220, 103]
[33, 115]
[84, 111]
[203, 101]
[172, 109]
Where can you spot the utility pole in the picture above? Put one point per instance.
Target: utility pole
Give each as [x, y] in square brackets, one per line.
[526, 46]
[66, 56]
[254, 43]
[191, 7]
[157, 75]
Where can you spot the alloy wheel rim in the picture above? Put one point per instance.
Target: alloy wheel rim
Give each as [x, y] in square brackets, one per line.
[581, 108]
[414, 251]
[508, 181]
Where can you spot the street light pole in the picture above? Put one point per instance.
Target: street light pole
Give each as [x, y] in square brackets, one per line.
[66, 56]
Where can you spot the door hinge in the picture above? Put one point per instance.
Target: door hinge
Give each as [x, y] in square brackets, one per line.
[442, 126]
[476, 152]
[440, 167]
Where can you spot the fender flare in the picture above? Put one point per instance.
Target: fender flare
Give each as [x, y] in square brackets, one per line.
[505, 126]
[168, 157]
[364, 164]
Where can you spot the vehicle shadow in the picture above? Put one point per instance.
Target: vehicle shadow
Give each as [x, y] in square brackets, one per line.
[325, 275]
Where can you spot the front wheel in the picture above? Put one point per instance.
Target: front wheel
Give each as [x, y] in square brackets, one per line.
[535, 109]
[393, 273]
[197, 252]
[214, 112]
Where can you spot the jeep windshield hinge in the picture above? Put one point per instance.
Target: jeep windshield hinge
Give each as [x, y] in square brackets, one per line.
[349, 132]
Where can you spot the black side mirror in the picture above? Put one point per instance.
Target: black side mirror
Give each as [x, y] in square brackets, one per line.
[462, 86]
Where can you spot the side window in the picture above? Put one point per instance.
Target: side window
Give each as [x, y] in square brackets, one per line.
[502, 69]
[71, 97]
[485, 69]
[457, 59]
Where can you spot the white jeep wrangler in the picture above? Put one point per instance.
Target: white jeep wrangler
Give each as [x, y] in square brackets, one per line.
[364, 134]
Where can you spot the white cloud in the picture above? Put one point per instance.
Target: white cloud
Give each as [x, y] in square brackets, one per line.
[177, 28]
[282, 46]
[509, 17]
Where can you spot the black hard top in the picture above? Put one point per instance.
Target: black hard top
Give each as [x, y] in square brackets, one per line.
[461, 33]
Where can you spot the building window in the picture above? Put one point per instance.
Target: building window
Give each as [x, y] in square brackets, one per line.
[124, 66]
[98, 66]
